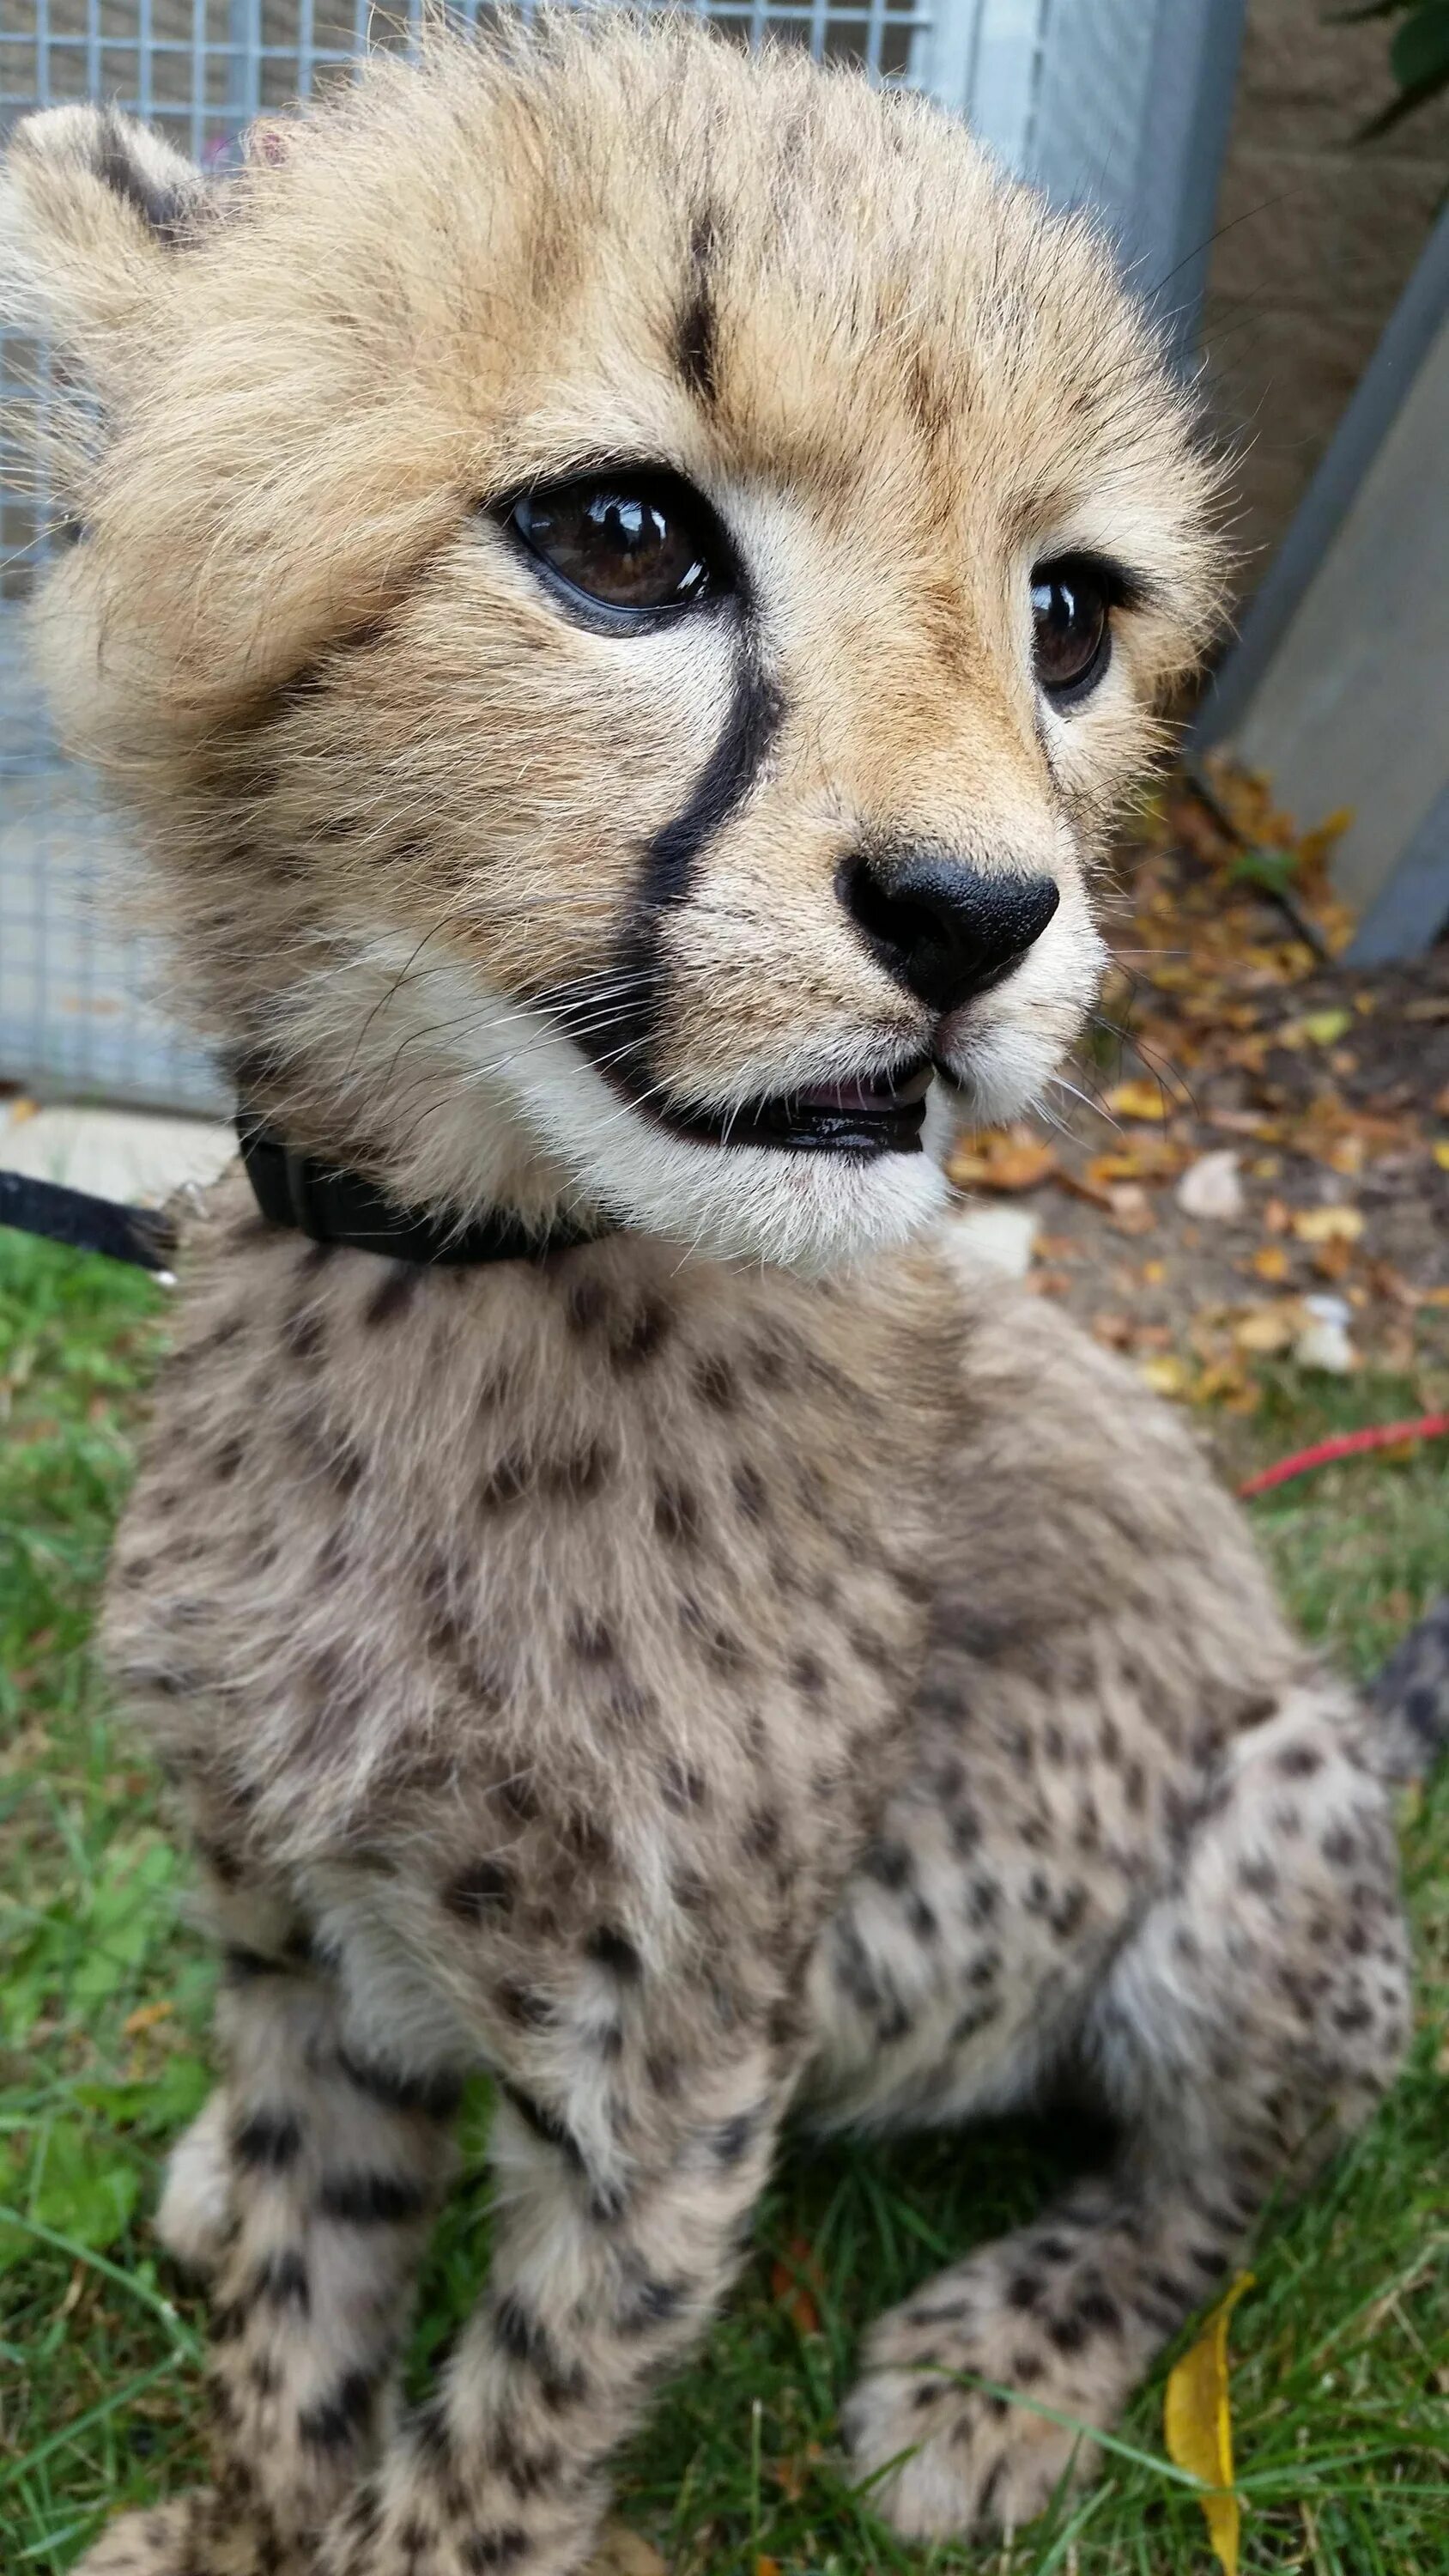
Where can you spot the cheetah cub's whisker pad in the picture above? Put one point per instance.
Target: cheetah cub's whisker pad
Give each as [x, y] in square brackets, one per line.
[622, 585]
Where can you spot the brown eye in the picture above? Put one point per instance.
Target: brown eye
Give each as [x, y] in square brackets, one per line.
[628, 542]
[1071, 625]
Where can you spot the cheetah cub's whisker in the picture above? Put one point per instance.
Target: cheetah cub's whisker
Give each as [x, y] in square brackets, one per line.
[623, 585]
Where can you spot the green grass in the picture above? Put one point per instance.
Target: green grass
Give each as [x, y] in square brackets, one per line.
[1341, 2350]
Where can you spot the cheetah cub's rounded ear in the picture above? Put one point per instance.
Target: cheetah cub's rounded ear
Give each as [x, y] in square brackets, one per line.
[92, 207]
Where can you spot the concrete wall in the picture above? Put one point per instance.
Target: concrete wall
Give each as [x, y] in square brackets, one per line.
[1318, 235]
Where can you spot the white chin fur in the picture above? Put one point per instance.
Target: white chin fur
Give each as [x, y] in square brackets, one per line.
[495, 1088]
[801, 1211]
[498, 1103]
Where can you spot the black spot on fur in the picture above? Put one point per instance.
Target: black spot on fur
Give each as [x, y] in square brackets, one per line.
[522, 2005]
[715, 1384]
[282, 2281]
[544, 2123]
[889, 1864]
[582, 1473]
[483, 2550]
[592, 1640]
[654, 2303]
[503, 1485]
[611, 1949]
[525, 2341]
[480, 1892]
[1258, 1877]
[642, 1337]
[267, 2142]
[336, 2420]
[681, 1784]
[732, 2139]
[1299, 1761]
[370, 2199]
[676, 1514]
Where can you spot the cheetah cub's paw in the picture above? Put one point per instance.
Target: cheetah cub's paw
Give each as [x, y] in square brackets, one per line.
[195, 2536]
[195, 2206]
[951, 2458]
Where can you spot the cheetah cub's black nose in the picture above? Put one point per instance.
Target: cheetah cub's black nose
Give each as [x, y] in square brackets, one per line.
[941, 926]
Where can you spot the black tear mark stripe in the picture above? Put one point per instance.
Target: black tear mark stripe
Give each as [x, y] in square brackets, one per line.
[724, 783]
[622, 1048]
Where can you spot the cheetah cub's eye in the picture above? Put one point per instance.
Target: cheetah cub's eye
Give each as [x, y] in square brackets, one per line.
[1071, 605]
[635, 544]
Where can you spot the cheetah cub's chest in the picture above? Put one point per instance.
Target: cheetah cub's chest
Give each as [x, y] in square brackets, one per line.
[601, 1579]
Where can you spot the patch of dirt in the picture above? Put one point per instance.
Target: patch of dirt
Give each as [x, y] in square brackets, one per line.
[1260, 1169]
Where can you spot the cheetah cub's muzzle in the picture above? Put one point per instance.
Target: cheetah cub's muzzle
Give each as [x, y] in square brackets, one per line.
[627, 650]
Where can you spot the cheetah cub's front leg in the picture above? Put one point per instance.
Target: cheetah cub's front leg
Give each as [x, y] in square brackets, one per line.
[1246, 2027]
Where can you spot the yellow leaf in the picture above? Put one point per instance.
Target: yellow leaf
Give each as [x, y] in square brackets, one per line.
[145, 2018]
[1326, 1027]
[1267, 1329]
[1166, 1375]
[1199, 2427]
[1441, 1153]
[1270, 1261]
[1137, 1100]
[1327, 1224]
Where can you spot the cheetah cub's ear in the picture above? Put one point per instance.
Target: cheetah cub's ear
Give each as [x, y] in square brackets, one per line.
[92, 211]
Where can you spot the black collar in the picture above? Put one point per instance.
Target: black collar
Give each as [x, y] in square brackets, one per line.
[338, 1207]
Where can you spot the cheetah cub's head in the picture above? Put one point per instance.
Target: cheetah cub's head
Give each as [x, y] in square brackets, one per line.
[626, 583]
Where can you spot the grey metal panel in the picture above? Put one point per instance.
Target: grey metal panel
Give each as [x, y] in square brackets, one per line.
[1413, 909]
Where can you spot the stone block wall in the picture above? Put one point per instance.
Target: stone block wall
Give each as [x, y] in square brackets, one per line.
[1317, 235]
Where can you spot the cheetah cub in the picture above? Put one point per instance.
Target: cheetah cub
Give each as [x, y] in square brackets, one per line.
[623, 584]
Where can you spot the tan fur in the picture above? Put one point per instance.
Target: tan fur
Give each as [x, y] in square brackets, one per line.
[734, 1663]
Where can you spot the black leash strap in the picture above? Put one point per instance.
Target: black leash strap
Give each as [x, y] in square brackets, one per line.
[135, 1234]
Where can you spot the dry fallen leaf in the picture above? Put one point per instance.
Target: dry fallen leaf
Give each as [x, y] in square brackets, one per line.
[1167, 1375]
[1002, 1160]
[1138, 1100]
[1327, 1224]
[145, 2017]
[1198, 2424]
[1270, 1261]
[792, 2281]
[1265, 1330]
[1441, 1153]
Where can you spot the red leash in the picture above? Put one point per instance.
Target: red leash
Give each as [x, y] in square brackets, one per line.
[1349, 1444]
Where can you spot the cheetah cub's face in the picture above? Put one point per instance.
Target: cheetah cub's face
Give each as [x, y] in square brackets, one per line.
[628, 582]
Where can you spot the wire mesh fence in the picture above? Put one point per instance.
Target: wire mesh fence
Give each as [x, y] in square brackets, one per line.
[1121, 103]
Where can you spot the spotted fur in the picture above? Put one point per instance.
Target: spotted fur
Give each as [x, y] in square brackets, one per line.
[747, 1663]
